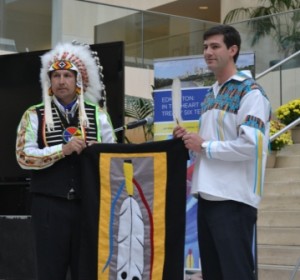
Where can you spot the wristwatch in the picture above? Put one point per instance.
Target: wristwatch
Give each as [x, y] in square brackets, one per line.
[204, 145]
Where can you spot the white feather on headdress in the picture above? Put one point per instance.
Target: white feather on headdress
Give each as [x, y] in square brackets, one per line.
[88, 78]
[176, 101]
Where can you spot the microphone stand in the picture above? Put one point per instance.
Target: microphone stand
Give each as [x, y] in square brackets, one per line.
[120, 128]
[135, 124]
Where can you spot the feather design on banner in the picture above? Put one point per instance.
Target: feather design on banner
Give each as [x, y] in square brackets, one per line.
[130, 263]
[176, 100]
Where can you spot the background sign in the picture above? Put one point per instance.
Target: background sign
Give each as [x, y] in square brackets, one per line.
[190, 108]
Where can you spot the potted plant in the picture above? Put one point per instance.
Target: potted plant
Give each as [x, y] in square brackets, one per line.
[138, 108]
[284, 28]
[289, 112]
[281, 141]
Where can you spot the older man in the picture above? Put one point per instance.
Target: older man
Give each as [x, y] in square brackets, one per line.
[50, 139]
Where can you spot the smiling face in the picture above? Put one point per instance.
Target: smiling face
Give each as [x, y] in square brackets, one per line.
[218, 57]
[63, 85]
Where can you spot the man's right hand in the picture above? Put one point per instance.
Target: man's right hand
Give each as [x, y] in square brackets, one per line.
[75, 145]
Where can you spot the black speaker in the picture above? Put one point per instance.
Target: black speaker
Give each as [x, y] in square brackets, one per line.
[17, 260]
[15, 198]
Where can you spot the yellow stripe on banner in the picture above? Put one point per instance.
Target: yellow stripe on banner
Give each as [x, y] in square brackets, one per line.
[104, 213]
[158, 210]
[159, 218]
[128, 171]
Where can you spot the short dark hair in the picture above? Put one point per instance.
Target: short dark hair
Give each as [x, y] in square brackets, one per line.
[231, 36]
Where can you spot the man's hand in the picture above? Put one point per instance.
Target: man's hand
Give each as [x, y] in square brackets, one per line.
[179, 132]
[92, 142]
[193, 141]
[75, 145]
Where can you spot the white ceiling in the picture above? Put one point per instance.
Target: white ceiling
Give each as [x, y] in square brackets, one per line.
[42, 7]
[186, 8]
[190, 8]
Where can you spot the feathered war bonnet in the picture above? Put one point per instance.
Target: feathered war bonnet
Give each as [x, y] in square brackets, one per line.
[86, 64]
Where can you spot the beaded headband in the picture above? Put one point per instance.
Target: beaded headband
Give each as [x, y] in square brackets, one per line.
[89, 86]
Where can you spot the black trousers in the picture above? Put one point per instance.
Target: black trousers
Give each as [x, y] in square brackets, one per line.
[56, 224]
[226, 238]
